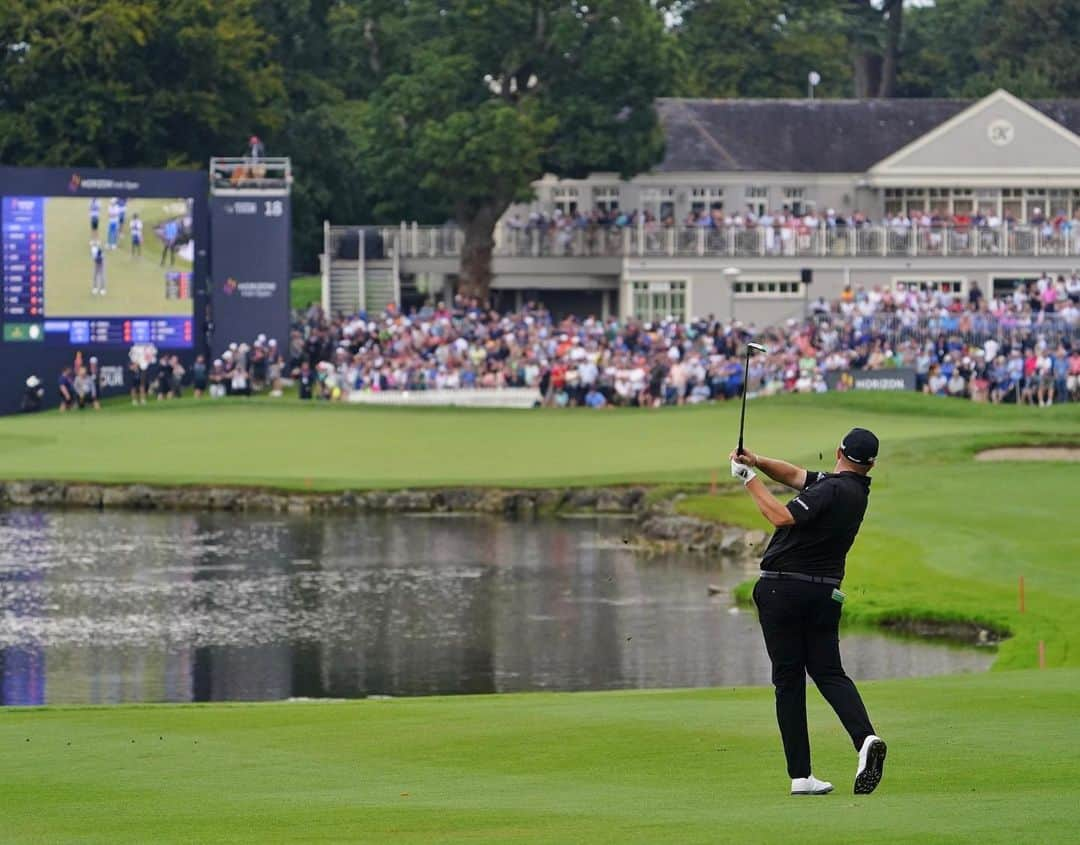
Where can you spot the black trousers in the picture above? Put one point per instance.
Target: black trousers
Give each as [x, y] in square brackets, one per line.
[801, 624]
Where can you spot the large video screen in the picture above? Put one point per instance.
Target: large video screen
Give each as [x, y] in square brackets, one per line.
[98, 270]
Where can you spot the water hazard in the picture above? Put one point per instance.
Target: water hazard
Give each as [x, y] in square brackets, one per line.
[131, 607]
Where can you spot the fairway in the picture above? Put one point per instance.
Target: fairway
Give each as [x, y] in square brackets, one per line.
[986, 758]
[135, 284]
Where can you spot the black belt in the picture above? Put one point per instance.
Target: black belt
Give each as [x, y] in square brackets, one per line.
[798, 576]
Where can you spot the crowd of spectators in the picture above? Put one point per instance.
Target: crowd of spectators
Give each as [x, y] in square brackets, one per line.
[1016, 348]
[785, 230]
[715, 217]
[1021, 347]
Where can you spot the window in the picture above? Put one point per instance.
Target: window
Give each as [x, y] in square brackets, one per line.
[655, 301]
[704, 199]
[945, 285]
[565, 199]
[606, 199]
[659, 202]
[767, 289]
[1001, 286]
[757, 199]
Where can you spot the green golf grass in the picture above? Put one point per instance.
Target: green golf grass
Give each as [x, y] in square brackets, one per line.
[304, 290]
[986, 758]
[135, 284]
[286, 443]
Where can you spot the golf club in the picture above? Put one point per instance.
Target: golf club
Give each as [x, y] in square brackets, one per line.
[750, 349]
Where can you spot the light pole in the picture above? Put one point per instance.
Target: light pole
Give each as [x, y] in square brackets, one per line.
[812, 80]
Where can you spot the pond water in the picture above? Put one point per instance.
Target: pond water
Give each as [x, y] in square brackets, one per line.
[132, 607]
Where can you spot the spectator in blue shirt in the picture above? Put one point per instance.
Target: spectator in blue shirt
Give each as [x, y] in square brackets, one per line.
[595, 399]
[1061, 373]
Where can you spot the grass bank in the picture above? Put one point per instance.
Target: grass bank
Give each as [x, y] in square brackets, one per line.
[972, 759]
[304, 290]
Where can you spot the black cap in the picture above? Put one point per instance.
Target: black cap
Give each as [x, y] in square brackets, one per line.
[860, 446]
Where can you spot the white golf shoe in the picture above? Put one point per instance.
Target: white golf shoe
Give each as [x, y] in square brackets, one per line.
[871, 765]
[810, 786]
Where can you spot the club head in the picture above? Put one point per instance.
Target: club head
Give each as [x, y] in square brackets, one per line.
[755, 347]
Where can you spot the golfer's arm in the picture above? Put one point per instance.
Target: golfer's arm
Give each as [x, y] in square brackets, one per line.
[770, 507]
[782, 471]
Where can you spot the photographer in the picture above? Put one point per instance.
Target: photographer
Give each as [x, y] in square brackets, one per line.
[84, 389]
[218, 379]
[33, 395]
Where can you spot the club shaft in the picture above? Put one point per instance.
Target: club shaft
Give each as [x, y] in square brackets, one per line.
[742, 412]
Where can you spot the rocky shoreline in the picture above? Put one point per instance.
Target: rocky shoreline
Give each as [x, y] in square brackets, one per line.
[656, 526]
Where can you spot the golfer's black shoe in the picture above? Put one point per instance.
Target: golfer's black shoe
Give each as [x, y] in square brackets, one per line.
[871, 765]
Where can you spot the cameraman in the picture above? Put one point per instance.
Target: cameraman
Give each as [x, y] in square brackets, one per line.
[33, 395]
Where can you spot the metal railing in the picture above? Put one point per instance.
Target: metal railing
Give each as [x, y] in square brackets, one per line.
[645, 240]
[248, 174]
[970, 328]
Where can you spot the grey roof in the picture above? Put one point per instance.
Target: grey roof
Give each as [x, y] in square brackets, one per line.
[825, 136]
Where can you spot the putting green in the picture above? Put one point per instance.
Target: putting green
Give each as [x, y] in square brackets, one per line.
[291, 444]
[987, 758]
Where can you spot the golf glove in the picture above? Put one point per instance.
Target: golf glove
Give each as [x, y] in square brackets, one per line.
[742, 471]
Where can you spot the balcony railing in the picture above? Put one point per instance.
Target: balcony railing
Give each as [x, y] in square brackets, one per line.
[731, 242]
[250, 174]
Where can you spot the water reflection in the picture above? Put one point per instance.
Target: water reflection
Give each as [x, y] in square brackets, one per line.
[121, 607]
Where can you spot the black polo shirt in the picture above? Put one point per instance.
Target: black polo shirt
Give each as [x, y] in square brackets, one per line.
[827, 514]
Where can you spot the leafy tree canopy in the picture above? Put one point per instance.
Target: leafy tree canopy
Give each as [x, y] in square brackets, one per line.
[482, 97]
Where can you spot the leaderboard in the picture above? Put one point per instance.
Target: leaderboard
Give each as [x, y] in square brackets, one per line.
[23, 286]
[23, 246]
[124, 331]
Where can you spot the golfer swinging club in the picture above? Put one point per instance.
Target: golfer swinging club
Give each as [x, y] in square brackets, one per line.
[799, 600]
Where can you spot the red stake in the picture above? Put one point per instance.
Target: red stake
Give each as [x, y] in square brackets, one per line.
[1021, 593]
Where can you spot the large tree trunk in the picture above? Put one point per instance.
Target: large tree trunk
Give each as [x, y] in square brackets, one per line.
[891, 59]
[863, 23]
[478, 225]
[867, 67]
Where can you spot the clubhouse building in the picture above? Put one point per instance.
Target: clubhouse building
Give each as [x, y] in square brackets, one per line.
[760, 206]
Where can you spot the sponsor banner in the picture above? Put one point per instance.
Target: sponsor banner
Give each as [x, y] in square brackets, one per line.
[895, 379]
[249, 269]
[507, 397]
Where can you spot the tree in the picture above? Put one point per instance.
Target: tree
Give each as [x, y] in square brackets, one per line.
[1028, 49]
[313, 129]
[939, 54]
[875, 28]
[761, 48]
[132, 82]
[479, 98]
[968, 48]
